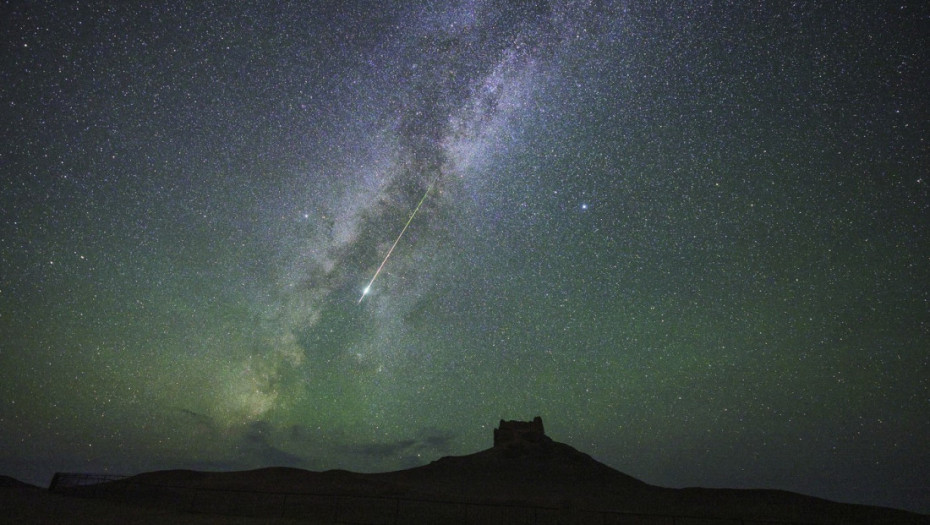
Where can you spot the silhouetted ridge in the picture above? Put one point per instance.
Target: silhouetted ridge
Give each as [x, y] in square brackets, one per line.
[545, 457]
[7, 481]
[524, 469]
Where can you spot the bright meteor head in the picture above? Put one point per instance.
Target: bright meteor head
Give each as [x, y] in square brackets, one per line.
[364, 293]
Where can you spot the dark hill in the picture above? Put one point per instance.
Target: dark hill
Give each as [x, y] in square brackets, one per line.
[525, 477]
[542, 474]
[8, 482]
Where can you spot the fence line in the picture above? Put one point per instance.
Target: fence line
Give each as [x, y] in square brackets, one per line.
[357, 509]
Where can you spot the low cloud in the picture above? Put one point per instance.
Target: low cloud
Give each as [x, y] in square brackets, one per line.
[381, 450]
[428, 443]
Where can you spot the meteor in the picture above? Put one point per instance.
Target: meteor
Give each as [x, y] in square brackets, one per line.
[415, 210]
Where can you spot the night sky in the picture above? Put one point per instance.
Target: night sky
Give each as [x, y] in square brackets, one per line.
[693, 236]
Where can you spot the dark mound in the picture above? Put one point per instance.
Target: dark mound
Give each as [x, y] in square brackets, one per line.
[8, 482]
[541, 474]
[548, 475]
[272, 479]
[525, 476]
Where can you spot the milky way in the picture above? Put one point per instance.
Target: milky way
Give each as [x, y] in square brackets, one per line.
[693, 238]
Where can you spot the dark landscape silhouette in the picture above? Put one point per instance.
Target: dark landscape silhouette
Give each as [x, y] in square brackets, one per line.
[526, 477]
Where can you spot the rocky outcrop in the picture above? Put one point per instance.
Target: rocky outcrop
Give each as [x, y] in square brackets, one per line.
[520, 434]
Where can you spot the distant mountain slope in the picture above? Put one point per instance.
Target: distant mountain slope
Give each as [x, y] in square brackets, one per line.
[548, 474]
[523, 471]
[7, 481]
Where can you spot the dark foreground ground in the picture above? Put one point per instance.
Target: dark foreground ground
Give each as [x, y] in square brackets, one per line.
[548, 483]
[35, 506]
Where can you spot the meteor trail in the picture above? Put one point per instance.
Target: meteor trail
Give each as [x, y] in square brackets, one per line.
[415, 210]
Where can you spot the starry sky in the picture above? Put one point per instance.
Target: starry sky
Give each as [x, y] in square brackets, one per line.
[692, 236]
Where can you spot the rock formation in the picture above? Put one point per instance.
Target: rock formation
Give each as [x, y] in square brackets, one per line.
[520, 435]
